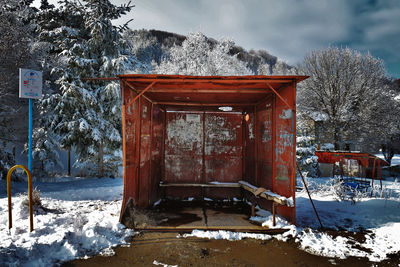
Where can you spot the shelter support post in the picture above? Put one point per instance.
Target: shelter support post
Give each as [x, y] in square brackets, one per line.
[373, 176]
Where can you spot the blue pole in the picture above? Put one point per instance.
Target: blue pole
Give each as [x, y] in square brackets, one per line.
[30, 135]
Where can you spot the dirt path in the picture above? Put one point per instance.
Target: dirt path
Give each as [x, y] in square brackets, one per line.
[166, 248]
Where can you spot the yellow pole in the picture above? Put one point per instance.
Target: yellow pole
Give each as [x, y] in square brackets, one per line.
[29, 194]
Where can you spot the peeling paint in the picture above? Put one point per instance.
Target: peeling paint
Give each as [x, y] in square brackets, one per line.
[220, 135]
[184, 134]
[284, 142]
[183, 168]
[266, 131]
[193, 118]
[286, 114]
[251, 133]
[282, 173]
[144, 112]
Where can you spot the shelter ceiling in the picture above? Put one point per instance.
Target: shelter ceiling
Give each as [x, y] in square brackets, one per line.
[207, 90]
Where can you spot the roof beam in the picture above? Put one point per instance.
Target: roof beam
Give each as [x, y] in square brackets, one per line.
[141, 93]
[130, 86]
[280, 97]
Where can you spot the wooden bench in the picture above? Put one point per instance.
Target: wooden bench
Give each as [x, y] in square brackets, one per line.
[229, 185]
[256, 191]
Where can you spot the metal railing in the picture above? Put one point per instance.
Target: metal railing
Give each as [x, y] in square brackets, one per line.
[29, 194]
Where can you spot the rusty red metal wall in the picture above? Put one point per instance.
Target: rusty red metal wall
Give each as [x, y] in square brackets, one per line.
[183, 147]
[223, 147]
[144, 152]
[130, 116]
[200, 144]
[203, 147]
[285, 148]
[157, 148]
[250, 145]
[223, 151]
[264, 144]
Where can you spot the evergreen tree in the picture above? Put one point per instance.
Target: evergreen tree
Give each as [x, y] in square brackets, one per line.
[85, 115]
[18, 49]
[306, 145]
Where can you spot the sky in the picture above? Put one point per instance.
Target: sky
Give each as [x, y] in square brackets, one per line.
[288, 29]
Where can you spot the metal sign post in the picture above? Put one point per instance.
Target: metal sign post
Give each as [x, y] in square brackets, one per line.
[30, 86]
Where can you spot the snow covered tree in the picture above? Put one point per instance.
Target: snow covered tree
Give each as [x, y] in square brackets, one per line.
[382, 115]
[279, 68]
[144, 47]
[18, 49]
[342, 83]
[306, 146]
[197, 57]
[85, 115]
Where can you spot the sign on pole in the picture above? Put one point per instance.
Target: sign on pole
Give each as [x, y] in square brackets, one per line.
[30, 83]
[30, 86]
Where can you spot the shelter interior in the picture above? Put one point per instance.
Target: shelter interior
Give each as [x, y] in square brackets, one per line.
[196, 136]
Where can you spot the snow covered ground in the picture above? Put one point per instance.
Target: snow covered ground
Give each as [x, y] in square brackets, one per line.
[80, 220]
[377, 217]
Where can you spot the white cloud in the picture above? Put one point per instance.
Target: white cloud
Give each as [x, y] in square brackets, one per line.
[286, 28]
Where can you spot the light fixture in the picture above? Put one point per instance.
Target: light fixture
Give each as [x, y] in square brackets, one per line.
[225, 108]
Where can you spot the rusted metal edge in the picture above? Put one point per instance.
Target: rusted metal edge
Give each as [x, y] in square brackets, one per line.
[186, 229]
[209, 79]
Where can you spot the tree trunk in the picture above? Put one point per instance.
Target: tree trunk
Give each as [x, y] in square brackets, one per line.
[100, 169]
[388, 153]
[336, 139]
[69, 161]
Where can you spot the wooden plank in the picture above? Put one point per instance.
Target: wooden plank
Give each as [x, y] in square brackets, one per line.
[230, 185]
[266, 194]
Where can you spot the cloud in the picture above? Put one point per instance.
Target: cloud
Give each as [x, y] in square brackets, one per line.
[286, 28]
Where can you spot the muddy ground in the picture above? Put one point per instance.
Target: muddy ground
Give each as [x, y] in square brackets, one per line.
[170, 249]
[166, 248]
